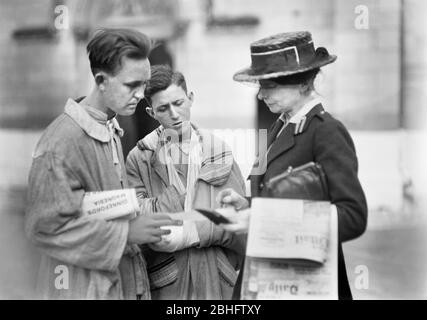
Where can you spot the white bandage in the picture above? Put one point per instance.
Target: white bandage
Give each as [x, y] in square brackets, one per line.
[181, 237]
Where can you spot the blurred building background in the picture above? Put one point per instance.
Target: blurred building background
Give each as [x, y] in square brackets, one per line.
[377, 88]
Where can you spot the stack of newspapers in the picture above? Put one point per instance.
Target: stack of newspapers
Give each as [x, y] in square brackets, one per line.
[292, 250]
[112, 204]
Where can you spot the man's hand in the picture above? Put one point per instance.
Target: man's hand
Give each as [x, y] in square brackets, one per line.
[229, 197]
[146, 228]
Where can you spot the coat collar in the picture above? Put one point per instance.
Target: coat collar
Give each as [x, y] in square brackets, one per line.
[151, 142]
[93, 122]
[284, 142]
[286, 139]
[305, 110]
[216, 163]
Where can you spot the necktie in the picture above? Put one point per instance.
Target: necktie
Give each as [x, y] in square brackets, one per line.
[272, 134]
[114, 148]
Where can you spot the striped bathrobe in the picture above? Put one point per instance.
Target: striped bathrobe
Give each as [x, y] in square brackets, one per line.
[208, 271]
[82, 257]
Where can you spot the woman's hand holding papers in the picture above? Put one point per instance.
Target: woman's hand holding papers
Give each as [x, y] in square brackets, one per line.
[239, 220]
[228, 197]
[235, 208]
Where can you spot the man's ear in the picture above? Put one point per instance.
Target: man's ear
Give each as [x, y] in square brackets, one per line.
[191, 97]
[100, 80]
[150, 112]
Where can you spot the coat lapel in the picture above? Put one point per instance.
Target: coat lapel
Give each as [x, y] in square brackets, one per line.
[286, 140]
[159, 167]
[161, 171]
[282, 144]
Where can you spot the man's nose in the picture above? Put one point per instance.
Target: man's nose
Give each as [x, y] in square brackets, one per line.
[139, 93]
[173, 113]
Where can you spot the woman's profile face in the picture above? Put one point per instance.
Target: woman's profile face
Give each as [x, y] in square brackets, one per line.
[280, 98]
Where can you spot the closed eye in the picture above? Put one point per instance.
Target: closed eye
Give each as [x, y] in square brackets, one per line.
[131, 86]
[162, 108]
[135, 84]
[178, 102]
[165, 107]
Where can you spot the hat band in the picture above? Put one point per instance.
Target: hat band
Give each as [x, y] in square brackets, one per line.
[282, 59]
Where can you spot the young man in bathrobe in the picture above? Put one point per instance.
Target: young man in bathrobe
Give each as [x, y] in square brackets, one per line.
[79, 152]
[176, 168]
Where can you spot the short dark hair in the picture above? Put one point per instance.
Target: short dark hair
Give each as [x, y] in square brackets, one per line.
[162, 76]
[108, 46]
[306, 77]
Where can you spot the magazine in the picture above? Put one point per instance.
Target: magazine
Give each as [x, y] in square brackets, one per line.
[292, 250]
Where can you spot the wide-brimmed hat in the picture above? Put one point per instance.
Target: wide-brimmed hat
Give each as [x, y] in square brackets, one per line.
[283, 54]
